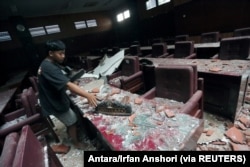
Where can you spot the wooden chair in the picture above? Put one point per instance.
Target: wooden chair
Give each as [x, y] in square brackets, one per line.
[158, 50]
[234, 48]
[128, 77]
[210, 37]
[25, 150]
[183, 49]
[181, 37]
[180, 83]
[134, 50]
[33, 80]
[241, 32]
[30, 115]
[9, 149]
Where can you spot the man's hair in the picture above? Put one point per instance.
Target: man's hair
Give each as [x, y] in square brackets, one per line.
[55, 45]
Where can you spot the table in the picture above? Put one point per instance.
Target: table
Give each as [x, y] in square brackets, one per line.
[6, 96]
[203, 50]
[148, 128]
[8, 90]
[207, 50]
[15, 79]
[196, 45]
[225, 82]
[207, 45]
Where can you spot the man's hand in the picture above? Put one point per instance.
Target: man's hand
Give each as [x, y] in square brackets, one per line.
[81, 92]
[92, 100]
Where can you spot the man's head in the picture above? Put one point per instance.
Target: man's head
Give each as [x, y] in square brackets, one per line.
[56, 50]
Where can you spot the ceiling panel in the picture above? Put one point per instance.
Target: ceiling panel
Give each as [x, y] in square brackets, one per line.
[34, 8]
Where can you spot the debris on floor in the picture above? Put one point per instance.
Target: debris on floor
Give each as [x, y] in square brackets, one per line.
[219, 134]
[222, 135]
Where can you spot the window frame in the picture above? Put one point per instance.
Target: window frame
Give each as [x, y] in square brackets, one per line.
[80, 24]
[5, 36]
[52, 29]
[37, 31]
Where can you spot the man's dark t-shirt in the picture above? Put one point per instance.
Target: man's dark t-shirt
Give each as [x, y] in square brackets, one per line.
[52, 88]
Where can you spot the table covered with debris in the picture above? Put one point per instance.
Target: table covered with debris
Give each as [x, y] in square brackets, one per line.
[146, 124]
[225, 82]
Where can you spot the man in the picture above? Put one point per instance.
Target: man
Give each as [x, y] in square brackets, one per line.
[52, 86]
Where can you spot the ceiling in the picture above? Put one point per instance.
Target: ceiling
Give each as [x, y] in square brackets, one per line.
[34, 8]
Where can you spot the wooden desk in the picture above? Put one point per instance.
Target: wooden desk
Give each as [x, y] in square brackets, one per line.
[196, 45]
[224, 90]
[15, 79]
[149, 129]
[203, 50]
[207, 45]
[8, 90]
[207, 50]
[6, 96]
[94, 57]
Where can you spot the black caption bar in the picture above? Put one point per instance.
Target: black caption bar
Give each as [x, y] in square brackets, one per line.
[172, 158]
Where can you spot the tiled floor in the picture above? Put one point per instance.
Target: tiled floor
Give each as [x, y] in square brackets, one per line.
[213, 138]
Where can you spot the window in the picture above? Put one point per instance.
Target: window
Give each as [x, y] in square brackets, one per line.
[51, 29]
[126, 14]
[122, 16]
[150, 4]
[91, 23]
[85, 24]
[5, 36]
[80, 25]
[161, 2]
[37, 31]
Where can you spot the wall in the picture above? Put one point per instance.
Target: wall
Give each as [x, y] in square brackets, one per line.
[14, 56]
[211, 15]
[177, 17]
[128, 30]
[193, 17]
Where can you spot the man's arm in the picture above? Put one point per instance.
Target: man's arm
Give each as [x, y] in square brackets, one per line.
[81, 92]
